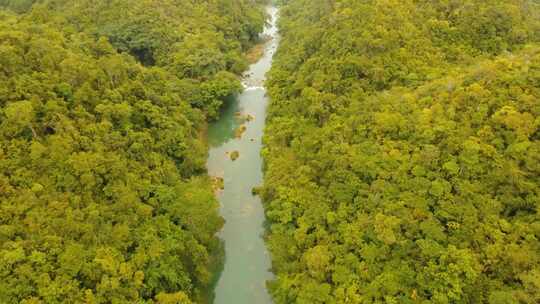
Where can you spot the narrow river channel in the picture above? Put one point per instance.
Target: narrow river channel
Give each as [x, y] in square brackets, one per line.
[247, 262]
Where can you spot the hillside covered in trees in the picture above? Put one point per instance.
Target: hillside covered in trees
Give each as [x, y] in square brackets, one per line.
[104, 196]
[402, 152]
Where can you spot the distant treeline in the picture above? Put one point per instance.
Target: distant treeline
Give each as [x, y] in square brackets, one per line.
[104, 196]
[402, 152]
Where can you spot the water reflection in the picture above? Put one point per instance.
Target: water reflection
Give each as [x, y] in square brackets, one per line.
[222, 130]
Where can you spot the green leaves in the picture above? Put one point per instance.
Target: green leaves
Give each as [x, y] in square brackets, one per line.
[18, 118]
[421, 147]
[452, 167]
[103, 191]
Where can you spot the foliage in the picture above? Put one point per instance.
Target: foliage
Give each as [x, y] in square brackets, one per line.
[104, 196]
[402, 151]
[202, 43]
[19, 6]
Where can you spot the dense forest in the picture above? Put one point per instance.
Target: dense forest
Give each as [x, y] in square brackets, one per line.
[402, 152]
[104, 196]
[402, 149]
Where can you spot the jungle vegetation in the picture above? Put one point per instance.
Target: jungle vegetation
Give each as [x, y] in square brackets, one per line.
[104, 196]
[402, 152]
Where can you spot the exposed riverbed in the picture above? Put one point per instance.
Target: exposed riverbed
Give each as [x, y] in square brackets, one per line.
[247, 262]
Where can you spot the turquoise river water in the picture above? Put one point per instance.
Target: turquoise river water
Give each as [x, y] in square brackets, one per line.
[247, 262]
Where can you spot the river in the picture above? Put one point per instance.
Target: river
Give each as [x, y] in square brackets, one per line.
[247, 262]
